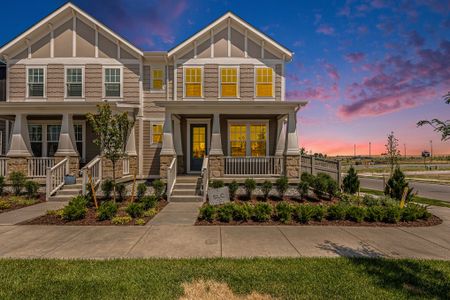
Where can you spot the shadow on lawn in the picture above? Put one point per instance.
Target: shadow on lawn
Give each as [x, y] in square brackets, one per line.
[414, 278]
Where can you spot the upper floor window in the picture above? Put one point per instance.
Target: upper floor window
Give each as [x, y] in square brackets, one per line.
[228, 82]
[157, 134]
[74, 82]
[36, 82]
[157, 79]
[264, 82]
[193, 82]
[113, 82]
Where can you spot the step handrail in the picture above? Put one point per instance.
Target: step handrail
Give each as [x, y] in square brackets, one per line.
[93, 168]
[55, 177]
[205, 177]
[171, 177]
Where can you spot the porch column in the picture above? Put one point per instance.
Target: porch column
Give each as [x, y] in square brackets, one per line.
[130, 150]
[177, 142]
[292, 154]
[167, 149]
[216, 163]
[19, 147]
[67, 145]
[281, 137]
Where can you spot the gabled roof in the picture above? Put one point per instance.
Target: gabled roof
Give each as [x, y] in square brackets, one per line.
[69, 6]
[241, 22]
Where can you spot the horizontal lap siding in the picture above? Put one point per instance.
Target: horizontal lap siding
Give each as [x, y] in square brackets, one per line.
[247, 82]
[131, 83]
[55, 82]
[17, 82]
[179, 81]
[93, 82]
[151, 96]
[278, 75]
[150, 154]
[211, 81]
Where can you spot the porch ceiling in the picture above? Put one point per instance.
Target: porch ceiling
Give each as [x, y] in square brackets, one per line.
[231, 107]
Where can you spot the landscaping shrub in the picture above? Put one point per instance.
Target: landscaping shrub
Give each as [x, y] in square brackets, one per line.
[31, 188]
[140, 222]
[89, 197]
[135, 210]
[369, 201]
[55, 212]
[4, 204]
[107, 187]
[332, 187]
[232, 188]
[319, 185]
[75, 209]
[217, 184]
[121, 191]
[388, 201]
[250, 186]
[319, 212]
[350, 184]
[141, 190]
[225, 212]
[303, 188]
[282, 185]
[336, 212]
[304, 213]
[413, 211]
[375, 213]
[150, 212]
[266, 187]
[392, 214]
[207, 213]
[2, 185]
[306, 177]
[17, 181]
[158, 188]
[283, 212]
[396, 184]
[148, 202]
[107, 210]
[121, 220]
[356, 213]
[242, 212]
[262, 212]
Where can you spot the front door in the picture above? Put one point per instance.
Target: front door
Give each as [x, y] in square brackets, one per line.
[199, 141]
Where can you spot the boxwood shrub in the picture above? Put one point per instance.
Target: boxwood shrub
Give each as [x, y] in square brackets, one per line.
[356, 213]
[283, 212]
[225, 212]
[262, 212]
[75, 209]
[337, 212]
[304, 213]
[375, 213]
[242, 212]
[135, 210]
[207, 213]
[107, 210]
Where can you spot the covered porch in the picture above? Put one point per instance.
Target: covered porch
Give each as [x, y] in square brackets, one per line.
[230, 139]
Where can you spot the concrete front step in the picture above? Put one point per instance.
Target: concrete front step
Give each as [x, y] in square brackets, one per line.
[186, 198]
[187, 179]
[60, 198]
[185, 186]
[77, 186]
[183, 192]
[65, 192]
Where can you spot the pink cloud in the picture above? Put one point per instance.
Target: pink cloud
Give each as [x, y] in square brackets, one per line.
[325, 29]
[332, 71]
[355, 57]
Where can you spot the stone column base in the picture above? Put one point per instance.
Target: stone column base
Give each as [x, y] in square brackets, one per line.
[133, 165]
[292, 166]
[17, 164]
[164, 163]
[107, 169]
[74, 164]
[216, 166]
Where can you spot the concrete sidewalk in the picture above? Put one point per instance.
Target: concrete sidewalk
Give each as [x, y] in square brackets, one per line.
[30, 212]
[184, 241]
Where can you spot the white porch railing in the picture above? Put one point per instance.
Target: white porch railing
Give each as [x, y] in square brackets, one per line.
[37, 166]
[171, 177]
[93, 168]
[55, 177]
[205, 178]
[254, 166]
[3, 166]
[126, 166]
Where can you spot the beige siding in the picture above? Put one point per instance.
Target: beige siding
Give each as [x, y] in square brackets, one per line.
[125, 54]
[151, 153]
[221, 44]
[247, 82]
[93, 82]
[63, 40]
[131, 83]
[146, 80]
[41, 48]
[204, 49]
[253, 49]
[180, 81]
[211, 82]
[278, 75]
[17, 83]
[106, 48]
[85, 40]
[21, 55]
[55, 82]
[150, 96]
[237, 43]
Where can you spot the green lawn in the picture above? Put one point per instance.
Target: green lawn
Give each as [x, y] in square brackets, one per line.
[305, 278]
[417, 199]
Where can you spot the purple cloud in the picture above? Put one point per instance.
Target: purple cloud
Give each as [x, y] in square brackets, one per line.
[325, 29]
[332, 71]
[397, 83]
[355, 57]
[415, 40]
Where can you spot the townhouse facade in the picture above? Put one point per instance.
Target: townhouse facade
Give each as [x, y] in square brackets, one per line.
[213, 104]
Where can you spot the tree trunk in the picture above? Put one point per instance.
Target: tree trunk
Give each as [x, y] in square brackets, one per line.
[114, 179]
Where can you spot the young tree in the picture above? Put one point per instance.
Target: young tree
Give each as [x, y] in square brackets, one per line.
[350, 183]
[112, 131]
[396, 185]
[392, 151]
[439, 126]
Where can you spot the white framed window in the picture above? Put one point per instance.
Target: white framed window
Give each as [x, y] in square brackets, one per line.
[229, 82]
[113, 82]
[156, 133]
[248, 138]
[193, 82]
[35, 134]
[157, 78]
[36, 82]
[74, 78]
[264, 82]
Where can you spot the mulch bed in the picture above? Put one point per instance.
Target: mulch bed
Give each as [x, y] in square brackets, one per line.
[91, 217]
[14, 206]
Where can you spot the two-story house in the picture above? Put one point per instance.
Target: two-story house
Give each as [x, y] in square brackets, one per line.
[214, 103]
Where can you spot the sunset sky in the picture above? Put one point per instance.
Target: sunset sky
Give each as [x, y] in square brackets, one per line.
[366, 67]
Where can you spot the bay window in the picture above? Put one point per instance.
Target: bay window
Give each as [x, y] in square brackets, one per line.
[193, 82]
[248, 139]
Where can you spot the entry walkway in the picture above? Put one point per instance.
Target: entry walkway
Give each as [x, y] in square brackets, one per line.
[185, 241]
[177, 213]
[23, 214]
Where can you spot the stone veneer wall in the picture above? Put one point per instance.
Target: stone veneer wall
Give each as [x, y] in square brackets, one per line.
[164, 161]
[292, 166]
[216, 166]
[17, 164]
